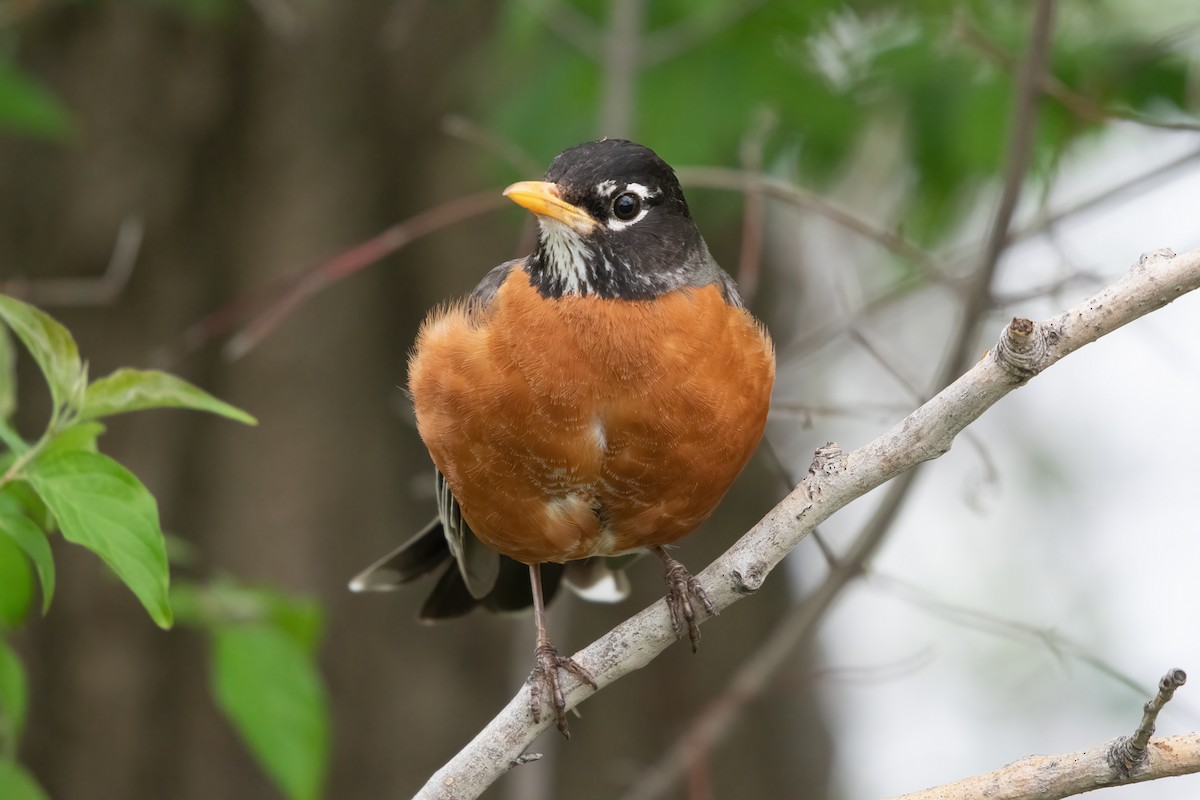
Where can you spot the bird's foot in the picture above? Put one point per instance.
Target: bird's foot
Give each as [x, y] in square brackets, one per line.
[545, 681]
[683, 592]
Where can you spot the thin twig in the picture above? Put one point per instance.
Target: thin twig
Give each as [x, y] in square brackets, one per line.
[820, 336]
[1052, 641]
[621, 66]
[1022, 127]
[467, 130]
[873, 675]
[805, 412]
[1081, 106]
[357, 258]
[754, 208]
[571, 25]
[788, 192]
[670, 43]
[1129, 752]
[77, 292]
[1136, 183]
[267, 307]
[1050, 289]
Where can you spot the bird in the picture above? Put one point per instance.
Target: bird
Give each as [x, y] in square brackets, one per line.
[585, 404]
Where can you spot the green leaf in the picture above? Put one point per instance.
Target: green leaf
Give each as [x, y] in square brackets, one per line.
[298, 617]
[8, 376]
[135, 389]
[32, 540]
[17, 784]
[223, 603]
[50, 344]
[31, 109]
[14, 696]
[101, 505]
[16, 584]
[271, 692]
[80, 436]
[26, 499]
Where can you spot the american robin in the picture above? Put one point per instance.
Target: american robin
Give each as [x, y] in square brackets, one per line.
[590, 401]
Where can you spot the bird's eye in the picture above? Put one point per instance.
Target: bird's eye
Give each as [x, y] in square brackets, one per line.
[627, 206]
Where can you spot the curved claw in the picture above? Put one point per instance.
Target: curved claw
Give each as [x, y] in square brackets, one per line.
[545, 680]
[682, 589]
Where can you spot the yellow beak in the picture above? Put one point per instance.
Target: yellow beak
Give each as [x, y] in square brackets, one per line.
[543, 199]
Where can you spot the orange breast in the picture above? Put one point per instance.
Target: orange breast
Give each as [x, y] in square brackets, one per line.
[586, 426]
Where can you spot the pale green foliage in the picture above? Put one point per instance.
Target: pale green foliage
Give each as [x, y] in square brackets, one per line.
[265, 676]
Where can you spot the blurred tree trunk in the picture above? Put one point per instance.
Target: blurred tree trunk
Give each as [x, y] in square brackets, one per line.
[250, 153]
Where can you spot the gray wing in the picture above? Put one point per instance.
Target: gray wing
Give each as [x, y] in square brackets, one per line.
[468, 579]
[478, 563]
[418, 556]
[729, 290]
[482, 294]
[448, 536]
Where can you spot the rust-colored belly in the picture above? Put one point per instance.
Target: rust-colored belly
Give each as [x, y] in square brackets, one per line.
[584, 426]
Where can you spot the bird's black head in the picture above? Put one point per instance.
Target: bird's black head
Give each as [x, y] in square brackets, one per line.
[613, 222]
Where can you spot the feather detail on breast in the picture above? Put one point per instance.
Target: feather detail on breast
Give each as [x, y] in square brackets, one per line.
[579, 426]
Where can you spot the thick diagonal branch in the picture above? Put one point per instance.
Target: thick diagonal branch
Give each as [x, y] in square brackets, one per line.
[835, 479]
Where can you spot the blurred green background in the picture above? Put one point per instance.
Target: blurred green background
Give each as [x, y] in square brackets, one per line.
[241, 143]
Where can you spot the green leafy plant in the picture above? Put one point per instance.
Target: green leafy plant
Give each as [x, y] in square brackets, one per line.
[265, 680]
[264, 675]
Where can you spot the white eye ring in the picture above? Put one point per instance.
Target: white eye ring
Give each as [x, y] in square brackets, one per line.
[637, 190]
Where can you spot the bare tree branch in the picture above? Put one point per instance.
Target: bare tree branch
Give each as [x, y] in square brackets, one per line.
[1022, 127]
[570, 24]
[1140, 182]
[754, 208]
[835, 479]
[1129, 752]
[267, 307]
[1052, 777]
[670, 43]
[101, 291]
[1052, 641]
[489, 141]
[1081, 106]
[620, 67]
[788, 192]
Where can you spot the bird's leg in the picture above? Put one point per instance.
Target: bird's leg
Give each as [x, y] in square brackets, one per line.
[547, 663]
[682, 589]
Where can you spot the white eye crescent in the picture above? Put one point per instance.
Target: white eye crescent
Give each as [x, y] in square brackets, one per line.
[630, 206]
